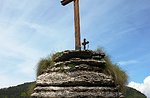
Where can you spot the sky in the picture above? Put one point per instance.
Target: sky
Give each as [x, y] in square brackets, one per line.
[33, 29]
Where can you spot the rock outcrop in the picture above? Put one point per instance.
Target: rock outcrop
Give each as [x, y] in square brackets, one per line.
[76, 74]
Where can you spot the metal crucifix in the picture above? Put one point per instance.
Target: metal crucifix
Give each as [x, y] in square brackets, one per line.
[85, 43]
[76, 22]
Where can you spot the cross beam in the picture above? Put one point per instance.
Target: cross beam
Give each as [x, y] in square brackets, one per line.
[65, 2]
[76, 22]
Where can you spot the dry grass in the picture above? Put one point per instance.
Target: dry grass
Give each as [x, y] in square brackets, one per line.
[43, 64]
[119, 75]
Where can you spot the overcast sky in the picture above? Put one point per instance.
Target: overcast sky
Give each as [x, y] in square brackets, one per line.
[33, 29]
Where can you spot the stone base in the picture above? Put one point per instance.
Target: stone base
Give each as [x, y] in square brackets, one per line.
[75, 84]
[76, 74]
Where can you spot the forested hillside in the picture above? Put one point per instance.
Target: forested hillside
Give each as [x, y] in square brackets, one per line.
[132, 93]
[20, 91]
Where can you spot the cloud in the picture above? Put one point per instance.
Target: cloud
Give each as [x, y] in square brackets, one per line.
[142, 87]
[18, 59]
[128, 62]
[7, 81]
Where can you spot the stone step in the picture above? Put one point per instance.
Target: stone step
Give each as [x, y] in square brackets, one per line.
[91, 62]
[84, 54]
[76, 92]
[77, 78]
[71, 67]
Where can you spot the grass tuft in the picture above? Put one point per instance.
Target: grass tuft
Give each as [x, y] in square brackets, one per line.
[120, 77]
[43, 64]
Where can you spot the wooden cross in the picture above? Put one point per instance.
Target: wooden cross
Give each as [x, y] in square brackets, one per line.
[76, 22]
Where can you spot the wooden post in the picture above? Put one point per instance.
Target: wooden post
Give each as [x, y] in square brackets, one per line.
[77, 25]
[76, 22]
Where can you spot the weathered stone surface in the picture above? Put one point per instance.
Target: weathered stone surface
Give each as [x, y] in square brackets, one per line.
[85, 54]
[71, 67]
[76, 74]
[76, 78]
[76, 92]
[82, 61]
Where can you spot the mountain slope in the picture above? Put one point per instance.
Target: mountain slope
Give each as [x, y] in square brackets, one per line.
[20, 91]
[132, 93]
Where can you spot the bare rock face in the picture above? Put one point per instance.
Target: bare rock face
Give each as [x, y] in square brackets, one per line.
[76, 74]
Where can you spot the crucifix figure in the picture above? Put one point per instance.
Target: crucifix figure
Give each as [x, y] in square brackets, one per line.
[76, 22]
[85, 43]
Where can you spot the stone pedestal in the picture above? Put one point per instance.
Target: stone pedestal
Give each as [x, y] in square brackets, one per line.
[76, 74]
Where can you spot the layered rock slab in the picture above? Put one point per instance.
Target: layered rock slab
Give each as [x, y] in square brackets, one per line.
[76, 76]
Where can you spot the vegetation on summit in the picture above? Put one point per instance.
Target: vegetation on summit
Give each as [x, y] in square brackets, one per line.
[119, 75]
